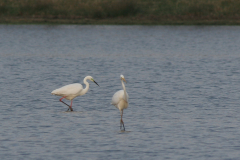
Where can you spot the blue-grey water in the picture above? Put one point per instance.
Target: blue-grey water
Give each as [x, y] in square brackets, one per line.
[183, 84]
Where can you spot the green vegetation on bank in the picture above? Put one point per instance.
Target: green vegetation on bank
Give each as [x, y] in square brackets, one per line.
[121, 11]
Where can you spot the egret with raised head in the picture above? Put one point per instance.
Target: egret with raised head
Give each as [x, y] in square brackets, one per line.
[120, 100]
[71, 91]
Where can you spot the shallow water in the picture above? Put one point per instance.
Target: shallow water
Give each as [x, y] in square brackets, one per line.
[183, 86]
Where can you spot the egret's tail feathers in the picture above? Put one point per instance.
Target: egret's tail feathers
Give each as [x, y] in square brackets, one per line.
[54, 92]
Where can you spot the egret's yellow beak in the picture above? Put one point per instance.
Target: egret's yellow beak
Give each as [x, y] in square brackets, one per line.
[124, 79]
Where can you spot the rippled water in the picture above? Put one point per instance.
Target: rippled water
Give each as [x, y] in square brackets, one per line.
[183, 86]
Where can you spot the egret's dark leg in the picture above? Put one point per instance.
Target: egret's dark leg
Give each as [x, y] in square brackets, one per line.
[70, 107]
[121, 124]
[122, 121]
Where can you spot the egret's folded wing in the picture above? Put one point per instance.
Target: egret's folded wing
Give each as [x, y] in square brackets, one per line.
[117, 97]
[68, 89]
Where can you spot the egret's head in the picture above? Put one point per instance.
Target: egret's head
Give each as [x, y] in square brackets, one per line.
[91, 79]
[122, 78]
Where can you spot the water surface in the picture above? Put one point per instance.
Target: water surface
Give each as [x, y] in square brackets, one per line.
[183, 84]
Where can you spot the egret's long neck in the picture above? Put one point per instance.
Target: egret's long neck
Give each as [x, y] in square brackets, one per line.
[124, 89]
[84, 91]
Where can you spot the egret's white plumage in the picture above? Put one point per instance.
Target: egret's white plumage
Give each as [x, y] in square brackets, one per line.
[120, 100]
[71, 91]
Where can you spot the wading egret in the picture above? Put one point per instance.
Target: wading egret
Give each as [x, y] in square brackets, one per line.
[120, 100]
[71, 91]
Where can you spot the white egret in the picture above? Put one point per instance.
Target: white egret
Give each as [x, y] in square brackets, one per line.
[120, 100]
[71, 91]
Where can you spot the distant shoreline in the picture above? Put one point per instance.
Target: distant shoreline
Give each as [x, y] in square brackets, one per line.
[116, 21]
[121, 12]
